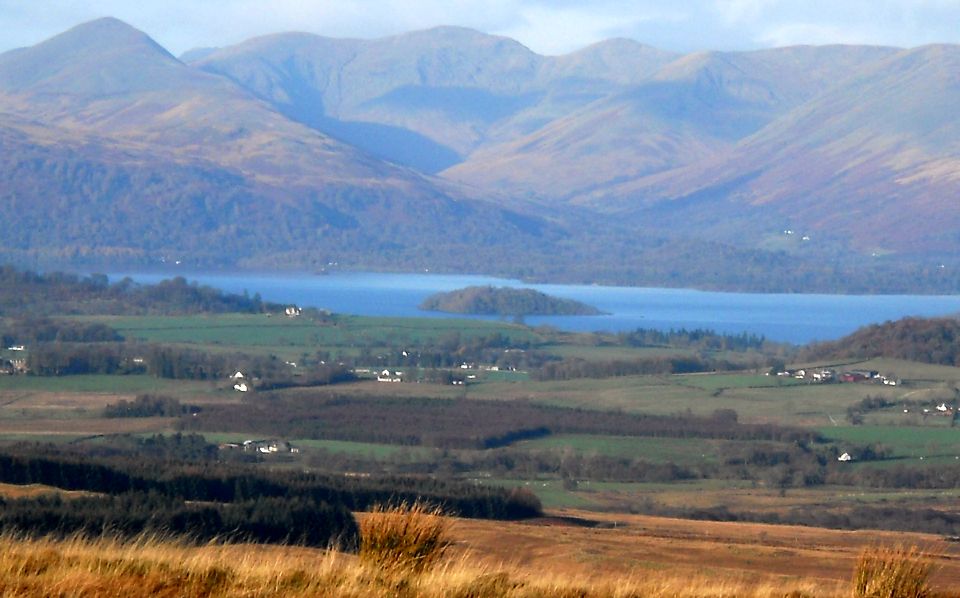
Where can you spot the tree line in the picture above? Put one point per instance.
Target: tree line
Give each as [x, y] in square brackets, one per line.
[699, 339]
[574, 367]
[215, 482]
[273, 520]
[927, 340]
[455, 423]
[26, 293]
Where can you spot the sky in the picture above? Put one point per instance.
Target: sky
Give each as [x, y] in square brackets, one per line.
[547, 27]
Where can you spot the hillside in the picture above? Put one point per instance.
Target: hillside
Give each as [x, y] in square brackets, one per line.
[926, 340]
[427, 98]
[851, 144]
[871, 161]
[144, 159]
[690, 109]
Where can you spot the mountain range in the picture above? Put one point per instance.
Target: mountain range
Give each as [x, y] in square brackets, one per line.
[452, 149]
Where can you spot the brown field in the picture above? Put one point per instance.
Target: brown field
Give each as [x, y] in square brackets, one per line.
[34, 490]
[625, 545]
[58, 401]
[19, 428]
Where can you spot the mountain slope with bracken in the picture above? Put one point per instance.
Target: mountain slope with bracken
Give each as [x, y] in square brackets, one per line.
[874, 160]
[691, 109]
[136, 154]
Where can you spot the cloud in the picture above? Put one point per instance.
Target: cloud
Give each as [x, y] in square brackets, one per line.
[793, 34]
[546, 26]
[739, 11]
[561, 30]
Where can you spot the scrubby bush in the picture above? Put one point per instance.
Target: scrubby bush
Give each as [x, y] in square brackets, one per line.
[896, 572]
[404, 539]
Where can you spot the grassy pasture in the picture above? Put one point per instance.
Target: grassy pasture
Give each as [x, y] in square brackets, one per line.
[745, 495]
[795, 404]
[605, 353]
[260, 330]
[724, 381]
[905, 441]
[683, 451]
[100, 384]
[361, 449]
[550, 492]
[46, 428]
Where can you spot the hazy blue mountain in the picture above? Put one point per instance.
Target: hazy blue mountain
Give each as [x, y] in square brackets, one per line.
[426, 99]
[138, 154]
[456, 148]
[687, 111]
[873, 160]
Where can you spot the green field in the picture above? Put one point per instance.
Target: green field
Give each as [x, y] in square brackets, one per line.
[795, 404]
[724, 381]
[101, 384]
[550, 492]
[682, 451]
[904, 441]
[362, 449]
[603, 353]
[260, 333]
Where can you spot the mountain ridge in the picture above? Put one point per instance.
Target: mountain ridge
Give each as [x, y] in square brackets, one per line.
[453, 149]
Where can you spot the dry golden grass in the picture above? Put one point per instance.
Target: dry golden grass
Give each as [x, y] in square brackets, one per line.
[895, 572]
[35, 490]
[406, 554]
[150, 567]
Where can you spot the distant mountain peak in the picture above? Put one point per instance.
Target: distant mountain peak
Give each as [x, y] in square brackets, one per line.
[105, 33]
[450, 31]
[99, 57]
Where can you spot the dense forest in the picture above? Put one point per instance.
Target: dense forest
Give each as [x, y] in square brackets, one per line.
[206, 499]
[700, 339]
[927, 340]
[505, 301]
[572, 368]
[31, 293]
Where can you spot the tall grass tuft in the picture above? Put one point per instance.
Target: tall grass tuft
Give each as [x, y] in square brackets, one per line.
[896, 572]
[404, 539]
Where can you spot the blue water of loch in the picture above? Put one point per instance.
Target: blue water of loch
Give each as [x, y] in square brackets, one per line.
[796, 318]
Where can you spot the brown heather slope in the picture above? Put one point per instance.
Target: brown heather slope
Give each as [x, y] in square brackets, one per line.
[107, 79]
[141, 157]
[875, 160]
[621, 544]
[691, 109]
